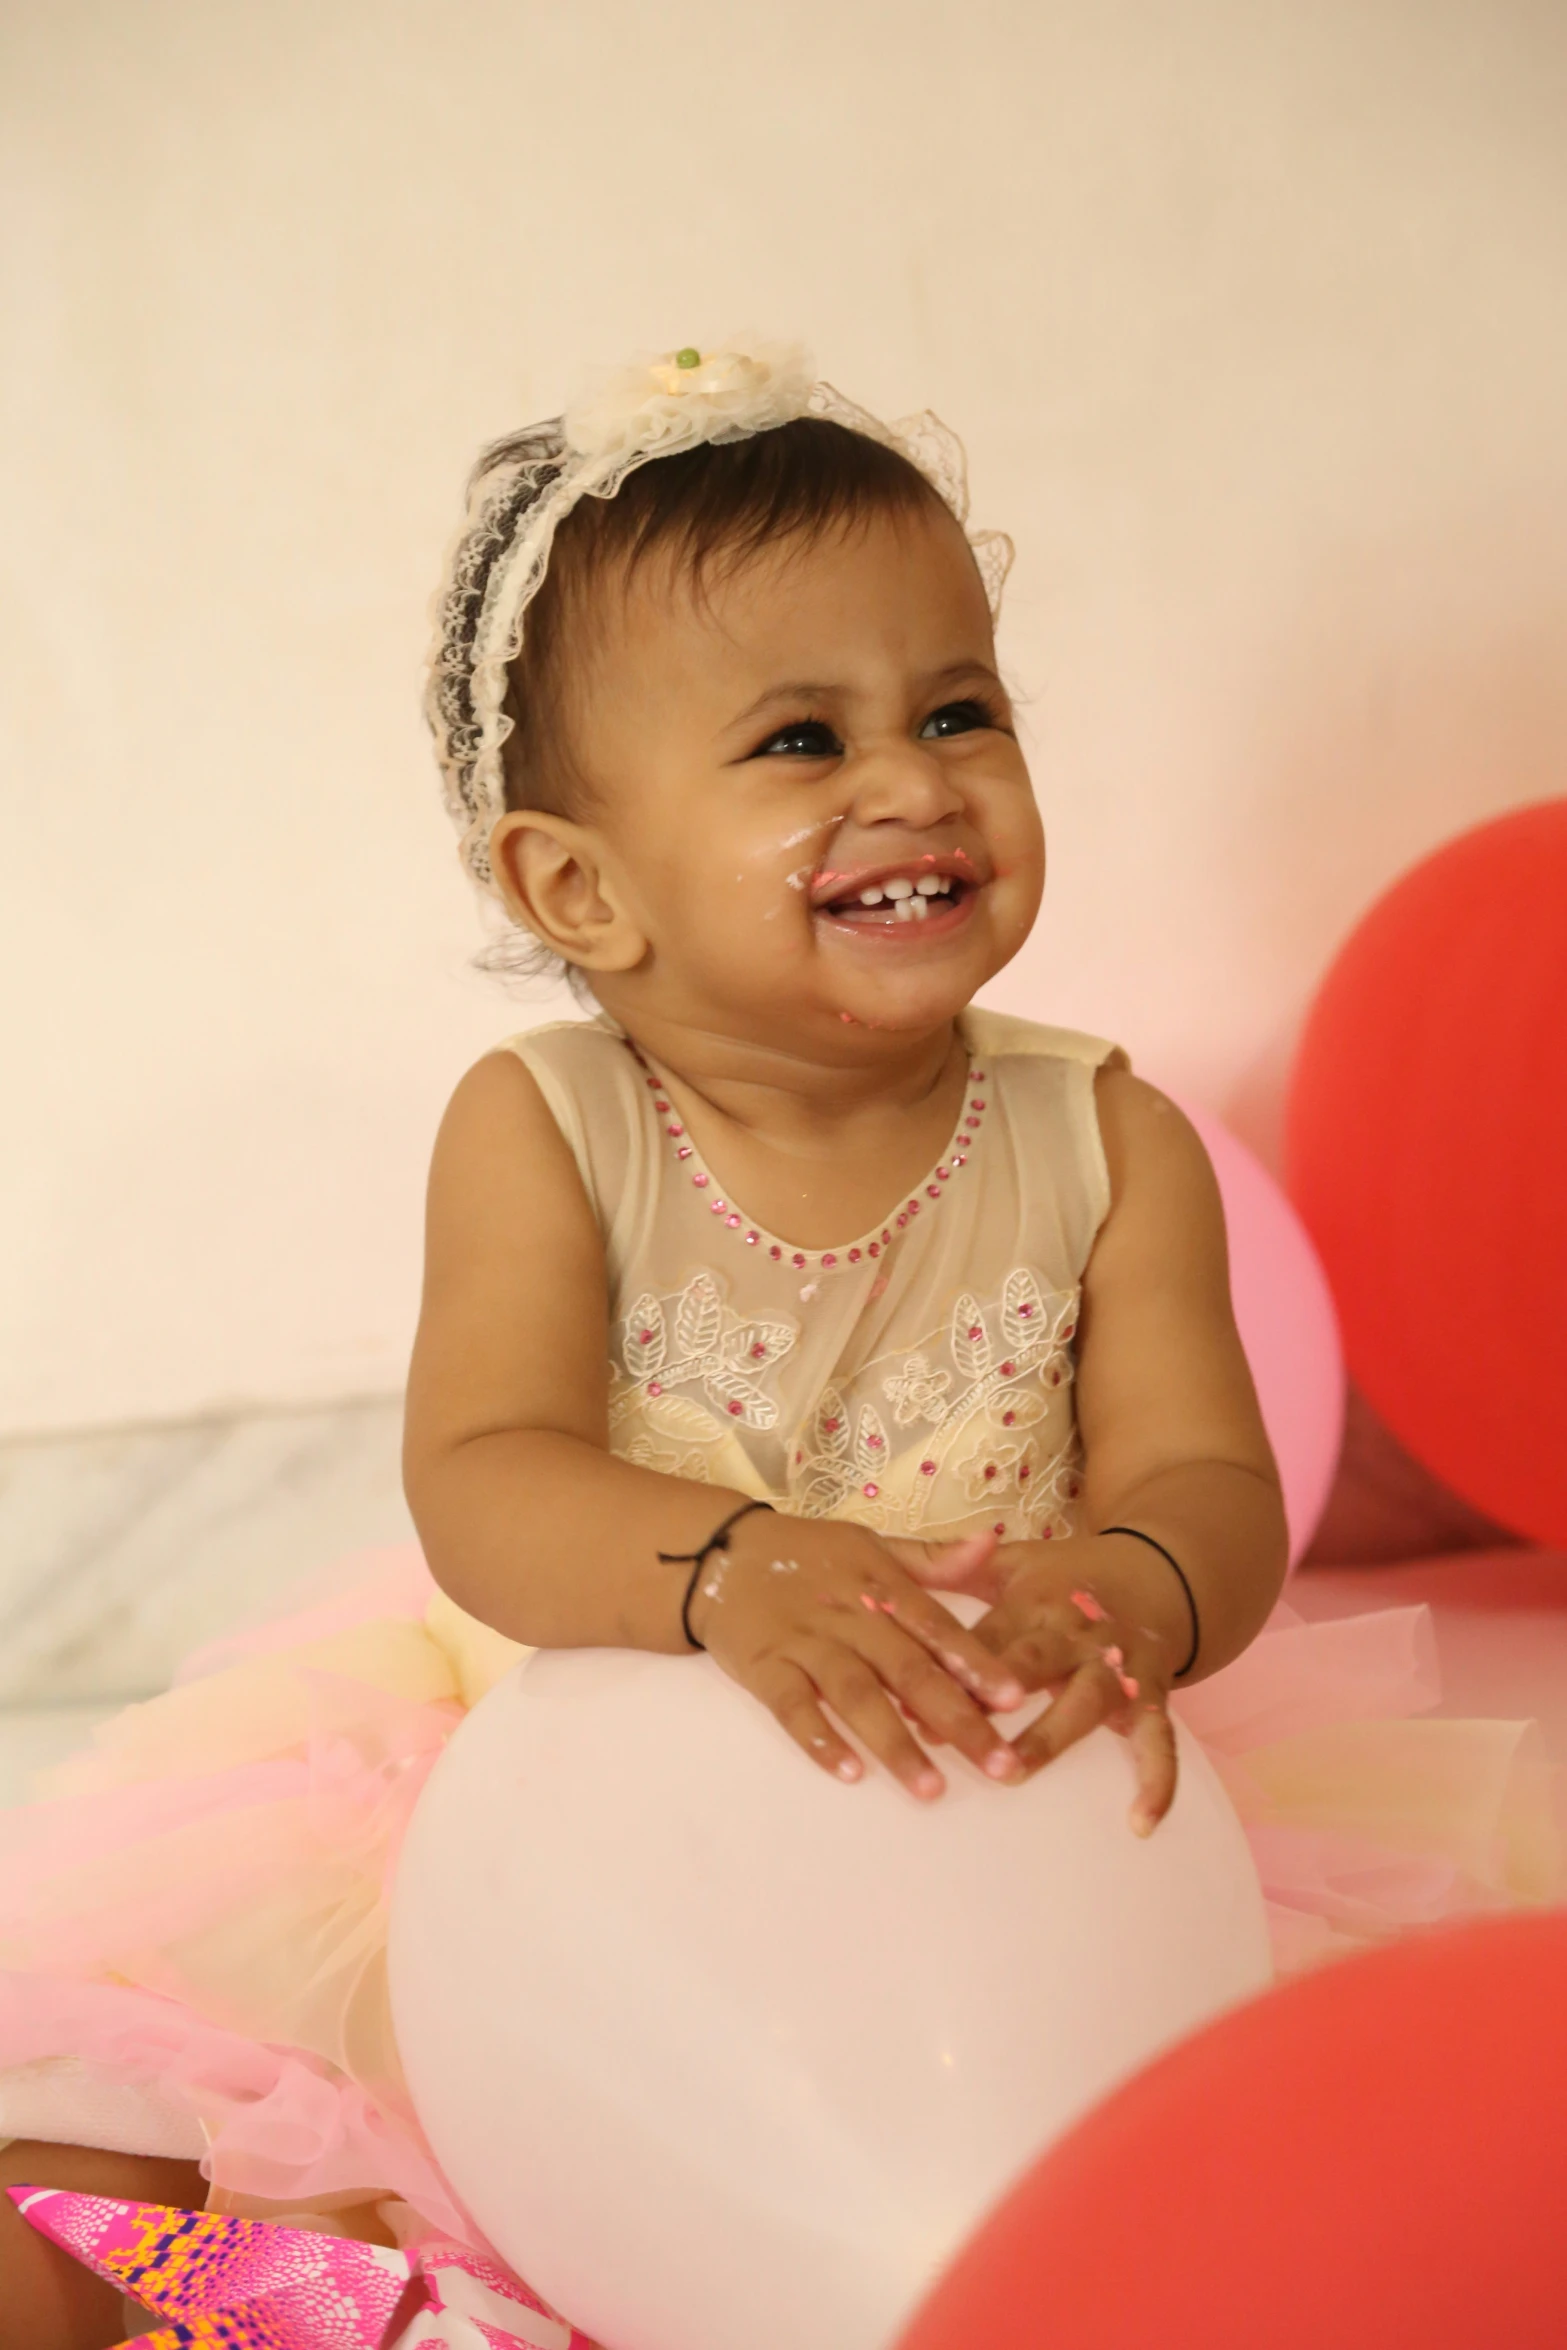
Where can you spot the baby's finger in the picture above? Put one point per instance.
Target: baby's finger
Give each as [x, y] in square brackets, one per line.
[933, 1699]
[1152, 1737]
[1089, 1698]
[857, 1697]
[790, 1698]
[988, 1677]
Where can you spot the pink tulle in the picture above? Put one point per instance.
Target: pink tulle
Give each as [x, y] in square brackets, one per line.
[197, 1908]
[279, 2125]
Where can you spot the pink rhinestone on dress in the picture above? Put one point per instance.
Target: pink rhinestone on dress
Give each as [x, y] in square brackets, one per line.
[870, 1491]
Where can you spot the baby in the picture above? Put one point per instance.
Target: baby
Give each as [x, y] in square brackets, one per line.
[792, 1289]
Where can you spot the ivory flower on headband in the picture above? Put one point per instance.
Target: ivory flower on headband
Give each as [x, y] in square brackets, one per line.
[656, 405]
[526, 485]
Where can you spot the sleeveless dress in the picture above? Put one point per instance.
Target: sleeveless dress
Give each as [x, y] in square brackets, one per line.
[193, 1914]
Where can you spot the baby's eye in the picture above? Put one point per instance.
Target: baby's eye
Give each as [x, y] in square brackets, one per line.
[807, 738]
[956, 718]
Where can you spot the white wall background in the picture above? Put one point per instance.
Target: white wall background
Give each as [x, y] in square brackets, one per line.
[1252, 313]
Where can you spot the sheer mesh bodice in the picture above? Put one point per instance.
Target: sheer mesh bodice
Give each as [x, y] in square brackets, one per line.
[917, 1378]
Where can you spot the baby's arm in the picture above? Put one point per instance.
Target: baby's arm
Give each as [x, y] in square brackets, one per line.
[1174, 1448]
[1172, 1434]
[530, 1523]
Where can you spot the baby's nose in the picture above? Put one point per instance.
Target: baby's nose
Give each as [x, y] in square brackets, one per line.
[902, 782]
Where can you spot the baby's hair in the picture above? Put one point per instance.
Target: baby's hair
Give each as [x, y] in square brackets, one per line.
[704, 512]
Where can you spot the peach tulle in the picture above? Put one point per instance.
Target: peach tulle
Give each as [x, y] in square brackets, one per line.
[195, 1909]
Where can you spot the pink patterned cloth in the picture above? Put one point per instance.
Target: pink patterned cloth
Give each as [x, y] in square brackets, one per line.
[251, 2285]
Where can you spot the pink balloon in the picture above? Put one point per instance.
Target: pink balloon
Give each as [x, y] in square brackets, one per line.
[1284, 1310]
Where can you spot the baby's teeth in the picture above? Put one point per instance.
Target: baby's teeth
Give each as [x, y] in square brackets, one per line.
[918, 908]
[870, 897]
[899, 888]
[930, 885]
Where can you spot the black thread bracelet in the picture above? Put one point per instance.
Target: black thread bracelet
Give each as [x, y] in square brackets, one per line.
[1138, 1535]
[697, 1560]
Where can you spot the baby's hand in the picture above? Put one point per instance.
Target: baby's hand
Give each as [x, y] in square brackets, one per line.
[1071, 1618]
[805, 1613]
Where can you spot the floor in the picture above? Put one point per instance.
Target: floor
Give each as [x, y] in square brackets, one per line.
[120, 1551]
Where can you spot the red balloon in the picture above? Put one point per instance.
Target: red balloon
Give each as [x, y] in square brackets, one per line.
[1373, 2156]
[1427, 1152]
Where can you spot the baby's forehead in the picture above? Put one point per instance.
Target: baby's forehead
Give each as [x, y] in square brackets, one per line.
[875, 584]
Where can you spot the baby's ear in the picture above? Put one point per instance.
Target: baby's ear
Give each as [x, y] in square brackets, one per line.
[551, 873]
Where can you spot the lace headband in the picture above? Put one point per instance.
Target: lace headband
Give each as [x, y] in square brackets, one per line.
[525, 487]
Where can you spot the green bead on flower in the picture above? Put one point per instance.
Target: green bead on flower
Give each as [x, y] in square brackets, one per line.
[689, 357]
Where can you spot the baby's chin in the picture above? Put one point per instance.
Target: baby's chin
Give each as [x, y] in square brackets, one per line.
[908, 1010]
[899, 997]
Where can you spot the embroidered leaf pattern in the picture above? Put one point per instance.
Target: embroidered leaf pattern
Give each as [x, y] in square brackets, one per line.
[970, 1339]
[831, 1432]
[645, 1339]
[677, 1416]
[1015, 1407]
[743, 1399]
[1024, 1315]
[871, 1449]
[699, 1316]
[823, 1494]
[759, 1342]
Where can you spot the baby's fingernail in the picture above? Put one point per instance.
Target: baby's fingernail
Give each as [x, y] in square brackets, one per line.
[1010, 1693]
[1144, 1822]
[1002, 1763]
[929, 1784]
[849, 1768]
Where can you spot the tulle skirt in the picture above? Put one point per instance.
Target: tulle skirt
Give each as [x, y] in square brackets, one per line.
[193, 1914]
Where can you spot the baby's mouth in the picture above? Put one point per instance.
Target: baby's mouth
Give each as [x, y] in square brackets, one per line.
[897, 900]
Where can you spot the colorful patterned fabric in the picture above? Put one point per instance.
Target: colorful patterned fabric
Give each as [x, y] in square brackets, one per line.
[251, 2285]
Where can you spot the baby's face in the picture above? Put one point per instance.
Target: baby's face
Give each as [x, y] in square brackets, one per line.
[809, 800]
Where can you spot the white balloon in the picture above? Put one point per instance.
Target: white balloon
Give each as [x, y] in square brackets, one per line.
[723, 2054]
